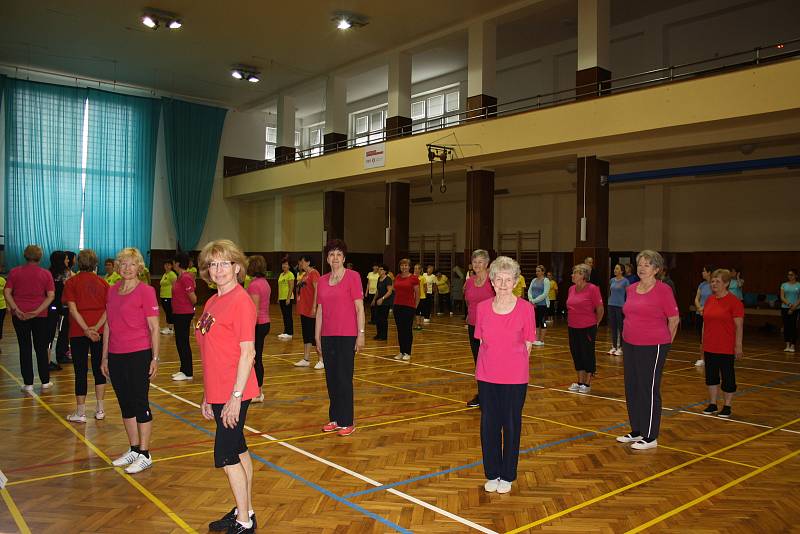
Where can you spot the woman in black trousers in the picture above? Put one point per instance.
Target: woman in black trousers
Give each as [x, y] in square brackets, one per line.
[381, 302]
[406, 300]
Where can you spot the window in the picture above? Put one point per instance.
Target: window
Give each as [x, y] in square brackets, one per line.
[315, 138]
[435, 109]
[272, 142]
[369, 125]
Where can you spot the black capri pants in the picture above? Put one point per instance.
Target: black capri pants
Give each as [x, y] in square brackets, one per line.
[229, 443]
[581, 345]
[261, 332]
[307, 325]
[81, 346]
[130, 377]
[720, 364]
[541, 316]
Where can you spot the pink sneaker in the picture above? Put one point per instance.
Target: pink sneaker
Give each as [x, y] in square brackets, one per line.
[330, 427]
[347, 430]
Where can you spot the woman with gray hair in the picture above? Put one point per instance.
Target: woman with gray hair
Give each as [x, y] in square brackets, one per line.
[506, 329]
[477, 289]
[651, 322]
[584, 312]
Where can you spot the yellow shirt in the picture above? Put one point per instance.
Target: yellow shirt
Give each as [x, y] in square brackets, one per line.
[145, 276]
[421, 286]
[372, 283]
[112, 278]
[192, 271]
[2, 295]
[520, 287]
[247, 280]
[167, 281]
[283, 285]
[551, 295]
[443, 285]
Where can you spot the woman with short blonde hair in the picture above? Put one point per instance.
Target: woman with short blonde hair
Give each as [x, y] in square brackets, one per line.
[584, 313]
[477, 289]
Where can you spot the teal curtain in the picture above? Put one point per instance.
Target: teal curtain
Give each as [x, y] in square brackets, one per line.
[120, 168]
[191, 137]
[44, 127]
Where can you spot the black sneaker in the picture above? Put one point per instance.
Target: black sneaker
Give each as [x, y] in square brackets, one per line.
[228, 521]
[53, 366]
[712, 408]
[475, 402]
[725, 412]
[238, 528]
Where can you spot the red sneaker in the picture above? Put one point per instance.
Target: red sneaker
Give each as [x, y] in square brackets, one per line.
[347, 430]
[330, 427]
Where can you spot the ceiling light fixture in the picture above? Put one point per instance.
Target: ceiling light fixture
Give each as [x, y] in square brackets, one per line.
[246, 73]
[345, 20]
[155, 18]
[343, 24]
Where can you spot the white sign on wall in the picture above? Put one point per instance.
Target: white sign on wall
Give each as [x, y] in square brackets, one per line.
[375, 156]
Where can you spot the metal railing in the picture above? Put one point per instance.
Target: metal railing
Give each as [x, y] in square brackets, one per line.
[728, 62]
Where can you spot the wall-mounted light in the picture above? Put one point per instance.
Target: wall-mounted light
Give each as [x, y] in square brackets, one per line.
[345, 20]
[249, 74]
[156, 18]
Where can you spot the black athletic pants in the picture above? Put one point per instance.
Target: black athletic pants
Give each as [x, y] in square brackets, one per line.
[381, 316]
[501, 426]
[32, 335]
[404, 321]
[262, 330]
[444, 303]
[167, 305]
[339, 355]
[789, 325]
[183, 324]
[581, 345]
[615, 323]
[720, 365]
[81, 347]
[644, 365]
[286, 312]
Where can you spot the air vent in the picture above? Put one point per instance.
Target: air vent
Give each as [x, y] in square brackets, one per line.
[501, 192]
[420, 200]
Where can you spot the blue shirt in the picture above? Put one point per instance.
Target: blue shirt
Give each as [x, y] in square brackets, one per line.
[537, 289]
[791, 292]
[734, 288]
[616, 295]
[705, 292]
[633, 278]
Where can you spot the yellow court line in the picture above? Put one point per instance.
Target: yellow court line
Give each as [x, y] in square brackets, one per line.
[712, 493]
[645, 480]
[152, 498]
[702, 377]
[15, 513]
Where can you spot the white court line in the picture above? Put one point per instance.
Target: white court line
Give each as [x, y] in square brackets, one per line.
[738, 421]
[350, 472]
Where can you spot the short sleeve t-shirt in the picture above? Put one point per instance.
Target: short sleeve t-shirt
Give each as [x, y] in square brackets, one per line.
[551, 295]
[430, 281]
[442, 285]
[581, 306]
[791, 292]
[227, 321]
[338, 308]
[127, 318]
[719, 330]
[167, 281]
[2, 295]
[372, 282]
[305, 293]
[112, 278]
[29, 284]
[705, 292]
[520, 287]
[259, 286]
[404, 290]
[646, 315]
[89, 292]
[503, 355]
[736, 289]
[616, 294]
[474, 294]
[283, 285]
[422, 285]
[180, 294]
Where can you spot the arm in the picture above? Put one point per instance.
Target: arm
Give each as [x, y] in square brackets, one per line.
[697, 301]
[104, 360]
[291, 289]
[360, 320]
[417, 296]
[672, 324]
[739, 323]
[51, 295]
[255, 298]
[388, 294]
[314, 304]
[247, 355]
[7, 292]
[193, 298]
[598, 312]
[784, 300]
[88, 331]
[152, 324]
[318, 330]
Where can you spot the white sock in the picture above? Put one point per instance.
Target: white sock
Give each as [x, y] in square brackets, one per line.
[250, 513]
[249, 523]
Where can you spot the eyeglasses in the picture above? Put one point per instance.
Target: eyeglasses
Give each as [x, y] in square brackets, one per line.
[219, 265]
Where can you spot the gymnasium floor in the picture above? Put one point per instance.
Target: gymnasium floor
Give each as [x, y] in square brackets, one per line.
[414, 463]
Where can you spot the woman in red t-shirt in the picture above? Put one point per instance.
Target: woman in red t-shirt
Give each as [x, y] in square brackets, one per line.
[723, 323]
[406, 301]
[584, 312]
[183, 300]
[226, 335]
[307, 308]
[85, 295]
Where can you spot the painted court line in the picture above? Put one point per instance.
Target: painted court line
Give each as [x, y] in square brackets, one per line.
[15, 513]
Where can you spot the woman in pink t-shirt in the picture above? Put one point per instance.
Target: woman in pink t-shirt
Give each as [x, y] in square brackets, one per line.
[225, 333]
[506, 329]
[130, 355]
[259, 292]
[339, 333]
[477, 288]
[183, 300]
[29, 291]
[584, 313]
[651, 322]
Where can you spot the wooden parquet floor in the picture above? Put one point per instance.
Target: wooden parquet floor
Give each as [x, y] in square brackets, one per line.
[414, 464]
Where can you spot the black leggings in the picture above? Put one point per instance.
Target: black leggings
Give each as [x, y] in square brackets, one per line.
[183, 323]
[474, 344]
[615, 322]
[229, 443]
[404, 320]
[36, 330]
[381, 316]
[581, 345]
[444, 303]
[2, 320]
[81, 347]
[58, 321]
[130, 377]
[789, 325]
[286, 312]
[167, 305]
[261, 332]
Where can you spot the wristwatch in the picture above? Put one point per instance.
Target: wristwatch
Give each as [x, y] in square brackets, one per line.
[237, 394]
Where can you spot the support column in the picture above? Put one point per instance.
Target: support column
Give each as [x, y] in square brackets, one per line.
[594, 64]
[285, 151]
[480, 213]
[398, 196]
[398, 116]
[653, 217]
[333, 215]
[591, 226]
[482, 70]
[335, 114]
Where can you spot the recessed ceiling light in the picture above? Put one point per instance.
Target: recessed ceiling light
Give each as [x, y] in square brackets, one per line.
[344, 20]
[253, 78]
[156, 18]
[175, 24]
[237, 74]
[343, 24]
[150, 21]
[244, 72]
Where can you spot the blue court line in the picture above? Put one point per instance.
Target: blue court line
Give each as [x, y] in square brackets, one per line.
[295, 476]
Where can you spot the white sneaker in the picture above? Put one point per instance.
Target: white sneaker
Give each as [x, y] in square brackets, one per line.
[451, 314]
[180, 376]
[166, 331]
[574, 387]
[126, 459]
[406, 357]
[642, 445]
[27, 389]
[439, 314]
[426, 321]
[538, 343]
[177, 374]
[491, 485]
[284, 337]
[786, 349]
[141, 463]
[100, 415]
[628, 438]
[319, 365]
[699, 363]
[503, 486]
[791, 348]
[48, 385]
[618, 352]
[584, 389]
[258, 398]
[399, 356]
[76, 418]
[612, 350]
[302, 363]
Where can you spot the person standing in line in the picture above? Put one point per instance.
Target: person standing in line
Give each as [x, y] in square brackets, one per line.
[443, 294]
[519, 288]
[406, 301]
[111, 277]
[259, 292]
[339, 333]
[476, 290]
[552, 295]
[29, 291]
[790, 301]
[3, 307]
[722, 341]
[584, 313]
[307, 308]
[369, 293]
[457, 289]
[664, 277]
[225, 333]
[165, 295]
[703, 292]
[192, 270]
[58, 314]
[630, 275]
[592, 277]
[130, 355]
[85, 295]
[651, 322]
[285, 292]
[616, 300]
[184, 299]
[429, 281]
[737, 283]
[381, 304]
[420, 312]
[538, 296]
[505, 327]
